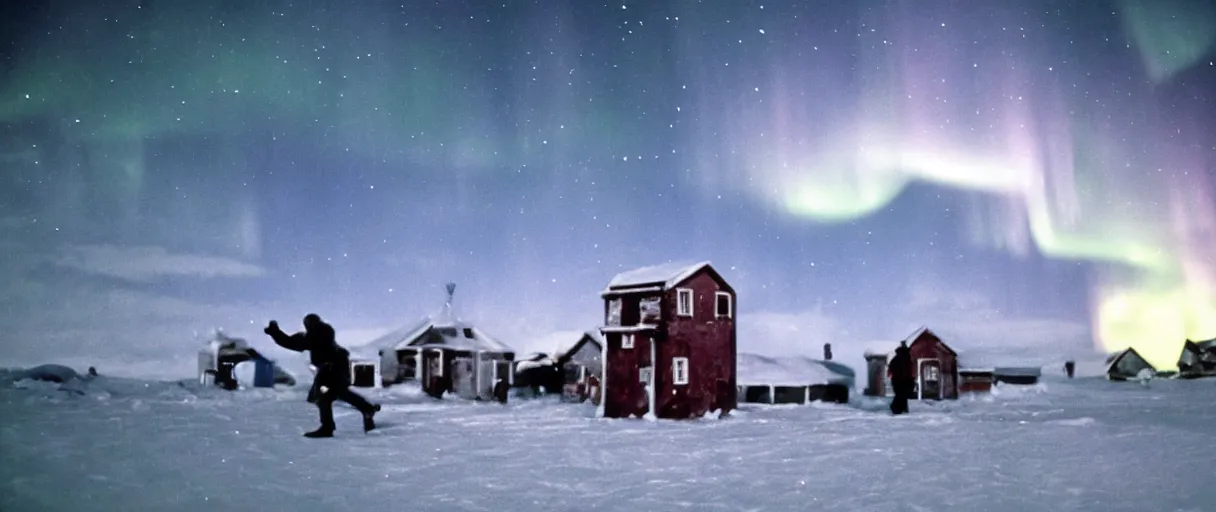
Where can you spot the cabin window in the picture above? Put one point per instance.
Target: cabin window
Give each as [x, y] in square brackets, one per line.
[468, 332]
[644, 375]
[627, 340]
[648, 309]
[684, 301]
[931, 373]
[614, 312]
[679, 370]
[722, 305]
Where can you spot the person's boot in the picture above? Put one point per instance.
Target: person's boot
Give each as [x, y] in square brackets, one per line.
[321, 432]
[369, 423]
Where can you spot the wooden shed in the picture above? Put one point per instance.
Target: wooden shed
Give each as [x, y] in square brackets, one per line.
[935, 365]
[669, 343]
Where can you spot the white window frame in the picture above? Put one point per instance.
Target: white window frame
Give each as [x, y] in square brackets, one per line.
[730, 305]
[627, 340]
[678, 364]
[617, 306]
[691, 300]
[644, 374]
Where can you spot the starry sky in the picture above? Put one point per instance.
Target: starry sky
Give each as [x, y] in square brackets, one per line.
[1036, 181]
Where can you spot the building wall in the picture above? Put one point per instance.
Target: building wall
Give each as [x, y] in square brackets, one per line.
[709, 344]
[588, 356]
[624, 395]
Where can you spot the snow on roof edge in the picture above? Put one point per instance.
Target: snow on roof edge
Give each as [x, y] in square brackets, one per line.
[669, 274]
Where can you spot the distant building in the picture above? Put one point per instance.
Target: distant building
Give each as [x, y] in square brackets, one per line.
[1198, 359]
[582, 366]
[792, 380]
[934, 364]
[974, 381]
[218, 360]
[669, 343]
[1126, 365]
[447, 355]
[1022, 375]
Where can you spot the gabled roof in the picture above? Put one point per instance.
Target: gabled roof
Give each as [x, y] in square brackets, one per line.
[446, 330]
[918, 334]
[587, 337]
[1115, 359]
[663, 276]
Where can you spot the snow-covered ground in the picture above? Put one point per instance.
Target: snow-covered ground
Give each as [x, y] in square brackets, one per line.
[125, 444]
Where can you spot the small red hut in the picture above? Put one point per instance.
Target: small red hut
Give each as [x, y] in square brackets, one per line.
[669, 343]
[935, 364]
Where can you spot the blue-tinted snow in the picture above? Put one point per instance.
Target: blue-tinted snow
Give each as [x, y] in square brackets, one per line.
[126, 444]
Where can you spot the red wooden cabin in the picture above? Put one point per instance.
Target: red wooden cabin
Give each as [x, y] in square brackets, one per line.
[669, 343]
[935, 364]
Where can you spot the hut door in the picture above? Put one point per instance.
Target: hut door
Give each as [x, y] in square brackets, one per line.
[930, 374]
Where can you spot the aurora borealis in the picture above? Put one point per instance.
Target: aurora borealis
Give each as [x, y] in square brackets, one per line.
[1038, 177]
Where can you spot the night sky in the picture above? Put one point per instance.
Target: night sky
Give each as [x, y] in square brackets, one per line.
[1034, 180]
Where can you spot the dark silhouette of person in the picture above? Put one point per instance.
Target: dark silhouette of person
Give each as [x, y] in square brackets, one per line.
[332, 380]
[902, 379]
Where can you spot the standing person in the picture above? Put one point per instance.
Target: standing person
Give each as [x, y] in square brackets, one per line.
[332, 380]
[902, 380]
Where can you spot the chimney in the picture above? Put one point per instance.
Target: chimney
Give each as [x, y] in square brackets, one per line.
[827, 351]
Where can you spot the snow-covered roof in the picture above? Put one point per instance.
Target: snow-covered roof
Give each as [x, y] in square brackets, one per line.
[755, 369]
[449, 332]
[665, 275]
[536, 363]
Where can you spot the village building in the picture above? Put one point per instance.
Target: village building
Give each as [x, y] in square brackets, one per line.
[582, 366]
[1018, 375]
[934, 364]
[446, 355]
[669, 343]
[1198, 359]
[791, 380]
[1128, 365]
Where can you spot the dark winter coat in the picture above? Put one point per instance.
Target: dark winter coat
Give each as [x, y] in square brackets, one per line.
[900, 369]
[331, 360]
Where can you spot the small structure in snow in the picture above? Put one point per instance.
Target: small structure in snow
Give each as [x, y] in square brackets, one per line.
[1126, 365]
[1022, 375]
[975, 381]
[669, 343]
[447, 354]
[582, 367]
[876, 374]
[365, 373]
[792, 380]
[217, 362]
[934, 364]
[1198, 359]
[537, 374]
